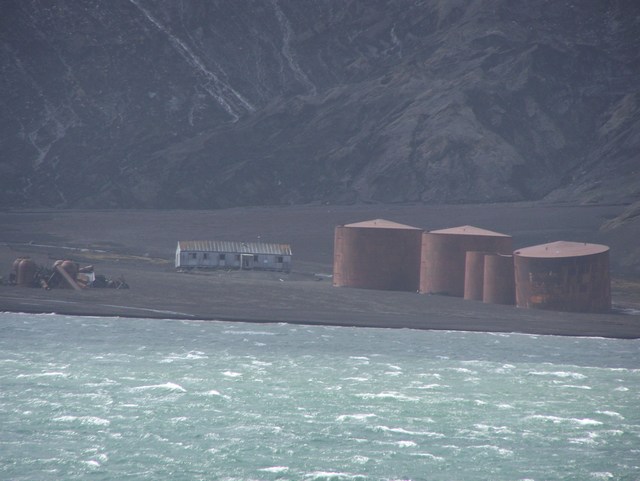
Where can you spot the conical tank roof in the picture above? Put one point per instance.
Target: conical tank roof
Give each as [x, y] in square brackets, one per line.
[468, 230]
[562, 249]
[380, 224]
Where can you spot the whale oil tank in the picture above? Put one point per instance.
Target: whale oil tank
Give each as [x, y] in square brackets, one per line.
[377, 254]
[474, 275]
[563, 276]
[444, 252]
[498, 280]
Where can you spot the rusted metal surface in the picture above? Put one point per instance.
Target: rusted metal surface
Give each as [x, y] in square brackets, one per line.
[377, 254]
[69, 271]
[67, 277]
[443, 256]
[499, 279]
[562, 249]
[563, 276]
[25, 271]
[474, 275]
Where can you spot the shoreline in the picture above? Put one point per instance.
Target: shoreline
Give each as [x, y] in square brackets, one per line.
[140, 246]
[438, 313]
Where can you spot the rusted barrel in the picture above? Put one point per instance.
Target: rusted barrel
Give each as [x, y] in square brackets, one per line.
[71, 267]
[499, 279]
[69, 271]
[25, 271]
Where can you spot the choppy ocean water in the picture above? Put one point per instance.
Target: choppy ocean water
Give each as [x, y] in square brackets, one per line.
[135, 399]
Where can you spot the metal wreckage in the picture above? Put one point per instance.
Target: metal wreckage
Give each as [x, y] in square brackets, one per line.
[63, 274]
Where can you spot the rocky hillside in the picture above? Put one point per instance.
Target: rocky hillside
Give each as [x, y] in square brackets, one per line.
[167, 103]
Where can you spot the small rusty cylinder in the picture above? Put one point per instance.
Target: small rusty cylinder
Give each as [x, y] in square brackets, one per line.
[71, 267]
[443, 256]
[25, 271]
[16, 264]
[69, 272]
[474, 275]
[499, 279]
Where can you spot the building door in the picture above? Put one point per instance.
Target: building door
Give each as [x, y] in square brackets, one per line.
[247, 261]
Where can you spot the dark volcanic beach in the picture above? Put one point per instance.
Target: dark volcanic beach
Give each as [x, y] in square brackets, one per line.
[139, 245]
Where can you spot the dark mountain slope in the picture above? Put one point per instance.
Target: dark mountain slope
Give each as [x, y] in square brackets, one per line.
[167, 103]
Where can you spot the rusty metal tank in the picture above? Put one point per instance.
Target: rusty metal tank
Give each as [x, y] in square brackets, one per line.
[25, 271]
[563, 276]
[498, 279]
[14, 266]
[474, 275]
[71, 268]
[443, 256]
[377, 254]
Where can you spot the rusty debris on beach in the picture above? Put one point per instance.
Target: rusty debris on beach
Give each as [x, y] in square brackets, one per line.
[63, 274]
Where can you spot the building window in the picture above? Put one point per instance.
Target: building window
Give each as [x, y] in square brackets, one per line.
[280, 260]
[255, 258]
[193, 255]
[237, 257]
[205, 256]
[222, 257]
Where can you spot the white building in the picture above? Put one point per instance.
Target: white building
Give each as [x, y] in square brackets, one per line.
[233, 255]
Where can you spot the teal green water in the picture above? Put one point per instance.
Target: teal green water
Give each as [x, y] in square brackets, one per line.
[134, 399]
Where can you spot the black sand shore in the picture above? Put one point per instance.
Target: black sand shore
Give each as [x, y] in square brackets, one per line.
[140, 245]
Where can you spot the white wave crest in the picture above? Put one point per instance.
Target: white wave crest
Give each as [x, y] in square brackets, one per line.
[612, 414]
[560, 374]
[388, 395]
[602, 475]
[428, 386]
[167, 385]
[189, 356]
[275, 469]
[87, 420]
[406, 444]
[333, 476]
[355, 417]
[557, 420]
[249, 333]
[429, 434]
[42, 374]
[428, 456]
[497, 449]
[589, 440]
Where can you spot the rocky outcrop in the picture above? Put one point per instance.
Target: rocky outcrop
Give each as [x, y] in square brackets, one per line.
[160, 103]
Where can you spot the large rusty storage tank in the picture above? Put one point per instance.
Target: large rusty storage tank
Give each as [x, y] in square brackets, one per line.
[377, 254]
[444, 252]
[563, 276]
